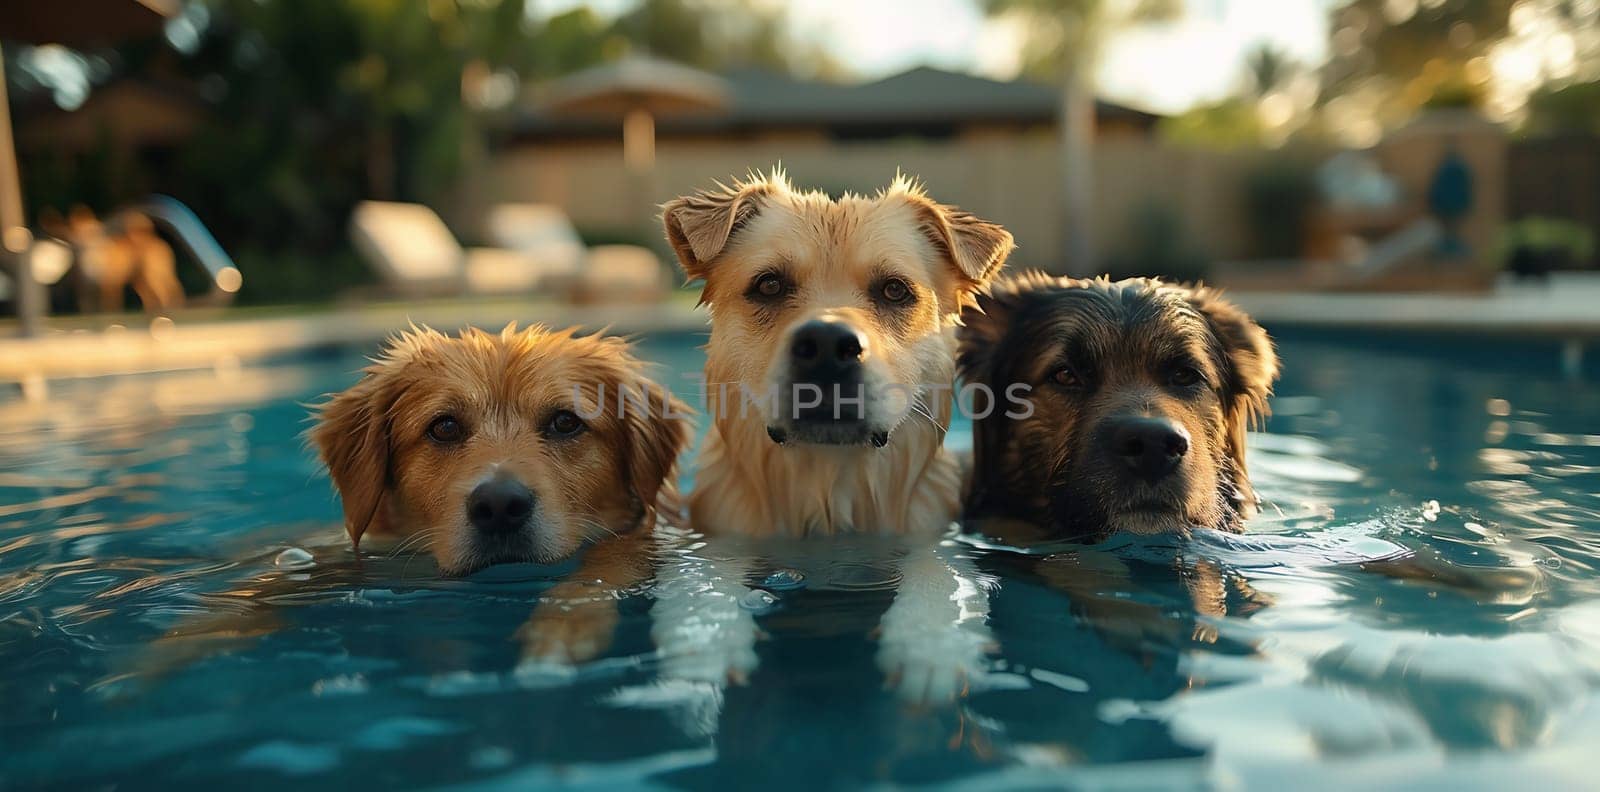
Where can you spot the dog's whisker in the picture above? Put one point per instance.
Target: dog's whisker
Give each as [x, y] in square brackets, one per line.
[586, 524]
[416, 543]
[921, 409]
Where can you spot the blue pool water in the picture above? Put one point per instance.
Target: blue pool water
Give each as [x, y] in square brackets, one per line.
[135, 505]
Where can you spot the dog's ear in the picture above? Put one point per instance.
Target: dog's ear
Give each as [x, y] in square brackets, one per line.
[987, 319]
[1250, 367]
[984, 324]
[656, 437]
[352, 436]
[699, 226]
[975, 248]
[983, 357]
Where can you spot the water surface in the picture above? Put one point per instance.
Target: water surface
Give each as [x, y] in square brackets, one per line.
[134, 505]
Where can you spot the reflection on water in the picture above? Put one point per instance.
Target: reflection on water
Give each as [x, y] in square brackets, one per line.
[1418, 601]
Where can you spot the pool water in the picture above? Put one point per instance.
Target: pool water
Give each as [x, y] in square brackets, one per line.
[136, 505]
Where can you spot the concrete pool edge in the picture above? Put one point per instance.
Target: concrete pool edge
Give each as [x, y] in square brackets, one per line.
[208, 342]
[207, 339]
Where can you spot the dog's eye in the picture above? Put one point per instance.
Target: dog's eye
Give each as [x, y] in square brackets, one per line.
[770, 286]
[895, 291]
[564, 423]
[446, 429]
[1184, 377]
[1067, 378]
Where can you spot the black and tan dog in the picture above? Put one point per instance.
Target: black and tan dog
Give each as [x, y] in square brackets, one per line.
[1138, 395]
[1141, 393]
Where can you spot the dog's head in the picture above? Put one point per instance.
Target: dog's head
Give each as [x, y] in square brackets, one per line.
[1140, 393]
[490, 448]
[82, 226]
[829, 315]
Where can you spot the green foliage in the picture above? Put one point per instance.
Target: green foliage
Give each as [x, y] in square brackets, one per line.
[1548, 235]
[1455, 92]
[1269, 68]
[1371, 42]
[1230, 123]
[1062, 29]
[314, 105]
[1160, 246]
[716, 34]
[284, 277]
[1570, 109]
[570, 41]
[1279, 196]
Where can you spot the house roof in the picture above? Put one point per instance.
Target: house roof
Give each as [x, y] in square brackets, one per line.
[921, 96]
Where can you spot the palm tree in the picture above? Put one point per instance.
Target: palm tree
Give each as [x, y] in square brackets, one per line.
[1269, 70]
[1064, 38]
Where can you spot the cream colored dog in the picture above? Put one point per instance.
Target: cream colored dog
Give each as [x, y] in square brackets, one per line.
[828, 376]
[831, 355]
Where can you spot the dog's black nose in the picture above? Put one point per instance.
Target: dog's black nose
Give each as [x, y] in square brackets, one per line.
[826, 343]
[1150, 447]
[500, 506]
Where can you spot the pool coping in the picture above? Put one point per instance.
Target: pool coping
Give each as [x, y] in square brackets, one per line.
[209, 338]
[1523, 311]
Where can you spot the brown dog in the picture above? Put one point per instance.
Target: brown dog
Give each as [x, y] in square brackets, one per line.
[831, 353]
[501, 447]
[480, 449]
[156, 281]
[1139, 394]
[517, 446]
[111, 260]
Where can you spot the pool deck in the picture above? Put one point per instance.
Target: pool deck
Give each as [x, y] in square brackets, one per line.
[80, 347]
[1566, 308]
[75, 347]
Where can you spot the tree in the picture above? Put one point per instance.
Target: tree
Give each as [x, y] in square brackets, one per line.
[569, 41]
[718, 34]
[1064, 38]
[314, 105]
[1262, 112]
[1570, 109]
[1269, 70]
[1228, 123]
[1390, 59]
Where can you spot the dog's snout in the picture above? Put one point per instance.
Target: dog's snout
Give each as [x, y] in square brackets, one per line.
[1149, 447]
[828, 342]
[500, 506]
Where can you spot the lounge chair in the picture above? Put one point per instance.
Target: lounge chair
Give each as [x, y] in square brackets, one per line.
[415, 253]
[542, 233]
[604, 273]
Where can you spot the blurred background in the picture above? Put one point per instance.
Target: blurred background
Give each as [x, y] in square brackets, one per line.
[176, 154]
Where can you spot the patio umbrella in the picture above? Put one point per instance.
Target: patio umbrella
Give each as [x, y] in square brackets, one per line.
[637, 89]
[83, 23]
[76, 23]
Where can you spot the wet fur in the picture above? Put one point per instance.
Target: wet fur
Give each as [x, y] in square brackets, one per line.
[1029, 484]
[833, 250]
[605, 487]
[1044, 469]
[396, 484]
